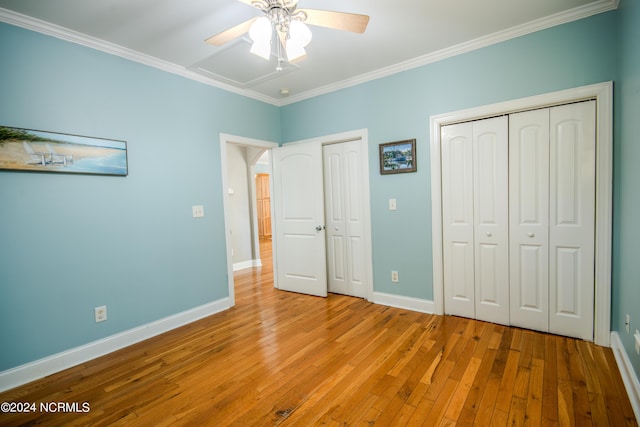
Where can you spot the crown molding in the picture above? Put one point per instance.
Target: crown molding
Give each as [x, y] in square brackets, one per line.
[575, 14]
[34, 24]
[59, 32]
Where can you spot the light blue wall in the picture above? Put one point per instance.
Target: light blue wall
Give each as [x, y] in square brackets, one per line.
[398, 107]
[70, 243]
[626, 265]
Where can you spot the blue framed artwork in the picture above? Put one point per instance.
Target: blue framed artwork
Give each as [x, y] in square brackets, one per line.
[398, 157]
[40, 151]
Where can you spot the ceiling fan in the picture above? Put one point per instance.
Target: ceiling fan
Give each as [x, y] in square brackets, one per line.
[283, 18]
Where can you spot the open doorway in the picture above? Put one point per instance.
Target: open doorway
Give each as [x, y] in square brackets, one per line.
[249, 151]
[244, 158]
[262, 200]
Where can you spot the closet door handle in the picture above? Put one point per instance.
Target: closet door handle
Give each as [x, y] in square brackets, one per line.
[531, 234]
[489, 234]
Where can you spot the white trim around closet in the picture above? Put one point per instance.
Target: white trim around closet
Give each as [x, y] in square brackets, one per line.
[603, 94]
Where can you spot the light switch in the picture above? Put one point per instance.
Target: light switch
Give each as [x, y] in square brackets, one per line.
[197, 211]
[392, 204]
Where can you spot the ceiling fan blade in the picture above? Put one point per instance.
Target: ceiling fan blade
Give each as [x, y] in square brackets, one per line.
[230, 34]
[337, 20]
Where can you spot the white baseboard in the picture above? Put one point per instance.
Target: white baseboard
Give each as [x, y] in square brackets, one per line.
[627, 372]
[247, 264]
[408, 303]
[49, 365]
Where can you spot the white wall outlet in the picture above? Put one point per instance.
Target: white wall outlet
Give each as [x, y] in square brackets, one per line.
[394, 277]
[637, 337]
[100, 313]
[197, 211]
[627, 322]
[392, 204]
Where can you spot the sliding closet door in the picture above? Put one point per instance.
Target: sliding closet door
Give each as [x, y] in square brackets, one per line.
[491, 219]
[529, 218]
[572, 219]
[457, 219]
[475, 219]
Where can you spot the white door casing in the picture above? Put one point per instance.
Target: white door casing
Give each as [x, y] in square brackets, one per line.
[226, 139]
[602, 94]
[299, 218]
[361, 136]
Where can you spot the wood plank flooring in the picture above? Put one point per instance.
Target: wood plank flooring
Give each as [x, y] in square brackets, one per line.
[280, 358]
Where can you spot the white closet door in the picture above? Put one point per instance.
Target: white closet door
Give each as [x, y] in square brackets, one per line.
[343, 214]
[457, 219]
[572, 218]
[491, 207]
[529, 218]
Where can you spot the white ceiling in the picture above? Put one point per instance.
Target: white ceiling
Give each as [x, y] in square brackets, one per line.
[402, 34]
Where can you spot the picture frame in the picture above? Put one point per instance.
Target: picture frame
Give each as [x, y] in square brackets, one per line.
[42, 151]
[398, 157]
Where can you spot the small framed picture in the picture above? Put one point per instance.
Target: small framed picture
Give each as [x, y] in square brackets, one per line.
[398, 157]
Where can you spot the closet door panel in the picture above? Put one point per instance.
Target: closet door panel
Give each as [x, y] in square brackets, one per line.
[491, 219]
[572, 218]
[354, 218]
[334, 185]
[529, 218]
[343, 218]
[457, 219]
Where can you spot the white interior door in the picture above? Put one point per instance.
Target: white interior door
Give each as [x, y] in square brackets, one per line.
[344, 218]
[491, 219]
[457, 219]
[299, 218]
[572, 219]
[529, 218]
[475, 217]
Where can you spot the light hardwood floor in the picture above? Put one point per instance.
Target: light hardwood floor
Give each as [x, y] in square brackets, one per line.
[279, 358]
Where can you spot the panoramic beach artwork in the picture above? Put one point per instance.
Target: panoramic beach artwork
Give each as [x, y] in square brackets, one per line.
[32, 150]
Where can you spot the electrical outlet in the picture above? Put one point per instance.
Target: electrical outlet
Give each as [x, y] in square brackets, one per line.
[394, 277]
[627, 322]
[100, 313]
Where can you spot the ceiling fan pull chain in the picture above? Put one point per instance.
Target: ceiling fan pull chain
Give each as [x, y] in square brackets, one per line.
[280, 58]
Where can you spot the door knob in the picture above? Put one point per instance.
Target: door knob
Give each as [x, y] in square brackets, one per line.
[320, 228]
[531, 234]
[489, 234]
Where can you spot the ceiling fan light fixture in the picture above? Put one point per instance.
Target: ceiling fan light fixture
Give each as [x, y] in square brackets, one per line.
[299, 33]
[289, 23]
[299, 37]
[261, 32]
[294, 51]
[261, 49]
